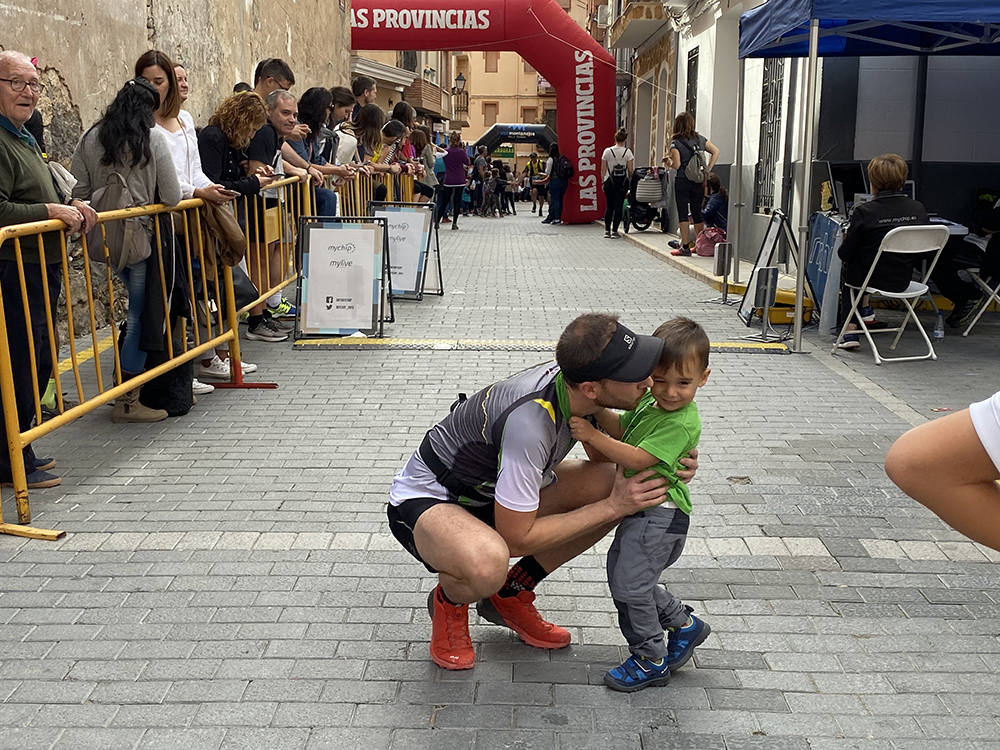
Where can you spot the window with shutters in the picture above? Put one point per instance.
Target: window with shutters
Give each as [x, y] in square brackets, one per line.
[529, 115]
[492, 61]
[490, 110]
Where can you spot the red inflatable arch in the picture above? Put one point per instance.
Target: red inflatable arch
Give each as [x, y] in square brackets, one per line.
[580, 70]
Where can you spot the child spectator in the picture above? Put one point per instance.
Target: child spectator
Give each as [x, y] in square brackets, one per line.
[490, 187]
[662, 429]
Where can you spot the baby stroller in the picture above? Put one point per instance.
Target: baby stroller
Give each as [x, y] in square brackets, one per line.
[641, 205]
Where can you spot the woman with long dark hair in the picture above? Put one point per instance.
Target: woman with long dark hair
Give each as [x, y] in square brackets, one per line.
[123, 141]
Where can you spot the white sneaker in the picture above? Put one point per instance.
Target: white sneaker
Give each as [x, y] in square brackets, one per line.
[218, 368]
[200, 389]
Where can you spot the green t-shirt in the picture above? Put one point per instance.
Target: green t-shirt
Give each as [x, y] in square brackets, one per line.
[668, 435]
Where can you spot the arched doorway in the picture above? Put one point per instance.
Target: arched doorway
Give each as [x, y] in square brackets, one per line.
[580, 70]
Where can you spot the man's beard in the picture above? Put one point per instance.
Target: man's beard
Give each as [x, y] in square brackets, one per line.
[609, 402]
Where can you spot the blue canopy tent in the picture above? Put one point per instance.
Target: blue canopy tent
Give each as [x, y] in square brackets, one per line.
[854, 28]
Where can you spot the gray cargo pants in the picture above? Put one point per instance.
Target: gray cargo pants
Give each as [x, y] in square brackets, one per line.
[645, 545]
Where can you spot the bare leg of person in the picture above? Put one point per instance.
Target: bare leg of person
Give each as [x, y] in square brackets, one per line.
[471, 558]
[943, 465]
[685, 231]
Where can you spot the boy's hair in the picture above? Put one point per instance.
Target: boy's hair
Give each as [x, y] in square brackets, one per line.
[683, 341]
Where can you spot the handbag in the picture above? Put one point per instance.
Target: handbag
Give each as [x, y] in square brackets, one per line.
[649, 189]
[222, 226]
[244, 289]
[707, 239]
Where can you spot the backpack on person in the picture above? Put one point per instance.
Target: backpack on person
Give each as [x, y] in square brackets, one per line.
[563, 167]
[697, 167]
[619, 174]
[127, 240]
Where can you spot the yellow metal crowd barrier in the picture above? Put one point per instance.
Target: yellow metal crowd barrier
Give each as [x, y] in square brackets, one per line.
[216, 296]
[356, 194]
[186, 259]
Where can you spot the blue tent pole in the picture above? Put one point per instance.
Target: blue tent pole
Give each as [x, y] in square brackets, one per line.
[805, 194]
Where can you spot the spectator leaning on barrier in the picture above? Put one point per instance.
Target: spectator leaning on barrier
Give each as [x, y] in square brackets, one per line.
[124, 141]
[341, 106]
[27, 194]
[265, 154]
[365, 91]
[222, 145]
[186, 153]
[314, 108]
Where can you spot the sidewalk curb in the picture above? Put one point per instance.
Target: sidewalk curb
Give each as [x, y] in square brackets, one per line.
[683, 264]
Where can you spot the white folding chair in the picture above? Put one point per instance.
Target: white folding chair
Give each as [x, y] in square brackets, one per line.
[991, 294]
[904, 241]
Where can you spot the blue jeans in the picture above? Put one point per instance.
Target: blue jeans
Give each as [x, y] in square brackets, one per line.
[557, 189]
[326, 202]
[134, 278]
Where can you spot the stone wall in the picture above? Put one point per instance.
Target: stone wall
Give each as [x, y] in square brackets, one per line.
[86, 53]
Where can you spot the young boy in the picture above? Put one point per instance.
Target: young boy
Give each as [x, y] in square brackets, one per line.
[663, 428]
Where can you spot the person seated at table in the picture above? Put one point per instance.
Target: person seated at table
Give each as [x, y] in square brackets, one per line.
[870, 223]
[979, 249]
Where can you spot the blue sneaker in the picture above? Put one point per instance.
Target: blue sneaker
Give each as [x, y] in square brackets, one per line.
[636, 673]
[681, 642]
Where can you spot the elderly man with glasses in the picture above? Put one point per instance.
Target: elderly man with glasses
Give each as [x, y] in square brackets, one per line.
[27, 194]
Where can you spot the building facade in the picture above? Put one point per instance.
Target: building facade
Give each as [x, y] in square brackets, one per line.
[86, 55]
[503, 88]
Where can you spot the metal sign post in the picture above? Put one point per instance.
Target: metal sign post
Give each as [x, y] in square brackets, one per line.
[722, 264]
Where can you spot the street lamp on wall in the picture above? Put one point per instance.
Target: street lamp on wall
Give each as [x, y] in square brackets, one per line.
[461, 97]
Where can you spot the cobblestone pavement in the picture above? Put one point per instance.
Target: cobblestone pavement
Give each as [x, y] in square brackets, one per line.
[227, 580]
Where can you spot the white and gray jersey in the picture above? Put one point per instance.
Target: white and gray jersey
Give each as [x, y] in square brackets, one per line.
[500, 444]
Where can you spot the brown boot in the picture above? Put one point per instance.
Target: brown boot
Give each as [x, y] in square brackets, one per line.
[128, 408]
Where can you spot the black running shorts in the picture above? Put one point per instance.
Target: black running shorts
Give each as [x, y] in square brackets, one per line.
[403, 519]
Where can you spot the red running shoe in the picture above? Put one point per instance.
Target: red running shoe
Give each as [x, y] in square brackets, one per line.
[451, 647]
[519, 614]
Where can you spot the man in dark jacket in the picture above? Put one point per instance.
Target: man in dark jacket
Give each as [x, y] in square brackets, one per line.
[870, 223]
[27, 194]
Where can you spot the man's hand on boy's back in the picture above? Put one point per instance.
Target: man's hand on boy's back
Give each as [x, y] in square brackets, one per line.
[638, 492]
